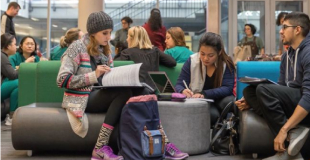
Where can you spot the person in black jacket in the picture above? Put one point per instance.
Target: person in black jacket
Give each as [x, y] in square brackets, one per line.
[9, 81]
[7, 25]
[140, 50]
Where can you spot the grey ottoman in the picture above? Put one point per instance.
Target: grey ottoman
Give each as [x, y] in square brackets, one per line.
[187, 125]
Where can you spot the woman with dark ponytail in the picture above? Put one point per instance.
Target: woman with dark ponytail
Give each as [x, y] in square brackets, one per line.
[210, 74]
[156, 30]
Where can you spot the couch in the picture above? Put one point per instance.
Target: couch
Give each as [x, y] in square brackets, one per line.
[41, 124]
[254, 133]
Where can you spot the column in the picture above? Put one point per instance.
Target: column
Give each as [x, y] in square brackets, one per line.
[86, 7]
[213, 16]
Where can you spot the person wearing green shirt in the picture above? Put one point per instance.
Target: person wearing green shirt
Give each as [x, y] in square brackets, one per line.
[256, 43]
[25, 53]
[175, 43]
[72, 35]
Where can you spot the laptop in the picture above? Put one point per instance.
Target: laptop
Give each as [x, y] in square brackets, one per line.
[162, 82]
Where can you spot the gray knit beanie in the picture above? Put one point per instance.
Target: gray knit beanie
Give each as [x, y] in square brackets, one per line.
[98, 21]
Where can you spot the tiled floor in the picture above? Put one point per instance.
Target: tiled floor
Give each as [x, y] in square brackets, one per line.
[9, 153]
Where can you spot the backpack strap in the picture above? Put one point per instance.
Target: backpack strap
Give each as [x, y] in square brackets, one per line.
[150, 141]
[162, 140]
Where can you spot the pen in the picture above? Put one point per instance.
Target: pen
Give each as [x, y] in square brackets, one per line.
[185, 84]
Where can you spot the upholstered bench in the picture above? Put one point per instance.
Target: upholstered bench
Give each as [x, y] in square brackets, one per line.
[187, 125]
[45, 126]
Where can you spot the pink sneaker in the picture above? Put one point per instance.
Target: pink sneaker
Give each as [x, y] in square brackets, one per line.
[105, 153]
[172, 152]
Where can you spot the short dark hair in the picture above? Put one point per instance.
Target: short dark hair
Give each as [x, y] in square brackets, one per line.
[6, 40]
[14, 4]
[127, 19]
[280, 16]
[299, 19]
[253, 28]
[20, 50]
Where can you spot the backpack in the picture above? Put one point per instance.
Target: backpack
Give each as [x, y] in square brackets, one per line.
[224, 135]
[141, 137]
[242, 53]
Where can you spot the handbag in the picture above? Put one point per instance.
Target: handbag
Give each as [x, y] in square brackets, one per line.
[153, 143]
[224, 135]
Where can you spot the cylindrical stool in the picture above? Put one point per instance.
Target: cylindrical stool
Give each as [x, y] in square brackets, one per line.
[187, 125]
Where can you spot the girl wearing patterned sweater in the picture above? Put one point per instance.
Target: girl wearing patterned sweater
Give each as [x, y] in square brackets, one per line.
[82, 65]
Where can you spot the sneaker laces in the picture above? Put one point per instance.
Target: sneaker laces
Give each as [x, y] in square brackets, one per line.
[108, 150]
[173, 147]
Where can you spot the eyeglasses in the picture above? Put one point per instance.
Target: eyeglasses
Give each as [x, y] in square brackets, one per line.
[286, 26]
[29, 44]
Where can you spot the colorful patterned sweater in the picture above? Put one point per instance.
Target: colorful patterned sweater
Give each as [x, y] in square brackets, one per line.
[76, 76]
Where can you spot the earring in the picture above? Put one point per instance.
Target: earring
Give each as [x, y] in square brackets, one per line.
[215, 64]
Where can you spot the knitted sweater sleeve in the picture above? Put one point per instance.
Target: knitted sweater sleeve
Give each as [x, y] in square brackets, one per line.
[68, 76]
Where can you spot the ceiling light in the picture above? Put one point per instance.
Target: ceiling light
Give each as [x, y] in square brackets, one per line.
[16, 24]
[54, 25]
[29, 27]
[64, 28]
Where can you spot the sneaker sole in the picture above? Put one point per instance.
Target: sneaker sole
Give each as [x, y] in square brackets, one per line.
[178, 158]
[294, 148]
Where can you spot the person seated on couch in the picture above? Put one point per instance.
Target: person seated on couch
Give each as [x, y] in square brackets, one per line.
[140, 50]
[72, 35]
[26, 52]
[210, 74]
[176, 46]
[286, 105]
[9, 81]
[82, 65]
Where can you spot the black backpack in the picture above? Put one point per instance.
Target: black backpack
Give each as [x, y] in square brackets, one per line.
[224, 135]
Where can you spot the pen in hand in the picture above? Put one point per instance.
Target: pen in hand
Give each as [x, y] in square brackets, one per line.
[187, 91]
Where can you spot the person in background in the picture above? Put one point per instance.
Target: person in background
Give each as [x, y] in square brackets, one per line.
[210, 74]
[176, 46]
[282, 48]
[286, 106]
[256, 43]
[9, 81]
[156, 30]
[72, 35]
[7, 25]
[121, 34]
[82, 66]
[119, 47]
[140, 50]
[25, 53]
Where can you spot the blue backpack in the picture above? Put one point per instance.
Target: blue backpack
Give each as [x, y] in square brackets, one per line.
[141, 138]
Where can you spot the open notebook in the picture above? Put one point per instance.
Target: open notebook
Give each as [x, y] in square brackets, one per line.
[123, 76]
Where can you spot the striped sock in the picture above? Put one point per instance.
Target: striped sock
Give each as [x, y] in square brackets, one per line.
[104, 135]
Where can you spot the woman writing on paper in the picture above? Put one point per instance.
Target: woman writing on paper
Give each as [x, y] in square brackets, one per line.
[82, 65]
[210, 74]
[140, 50]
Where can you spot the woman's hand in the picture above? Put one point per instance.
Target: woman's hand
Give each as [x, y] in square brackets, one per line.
[198, 95]
[101, 69]
[30, 59]
[43, 59]
[188, 93]
[242, 104]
